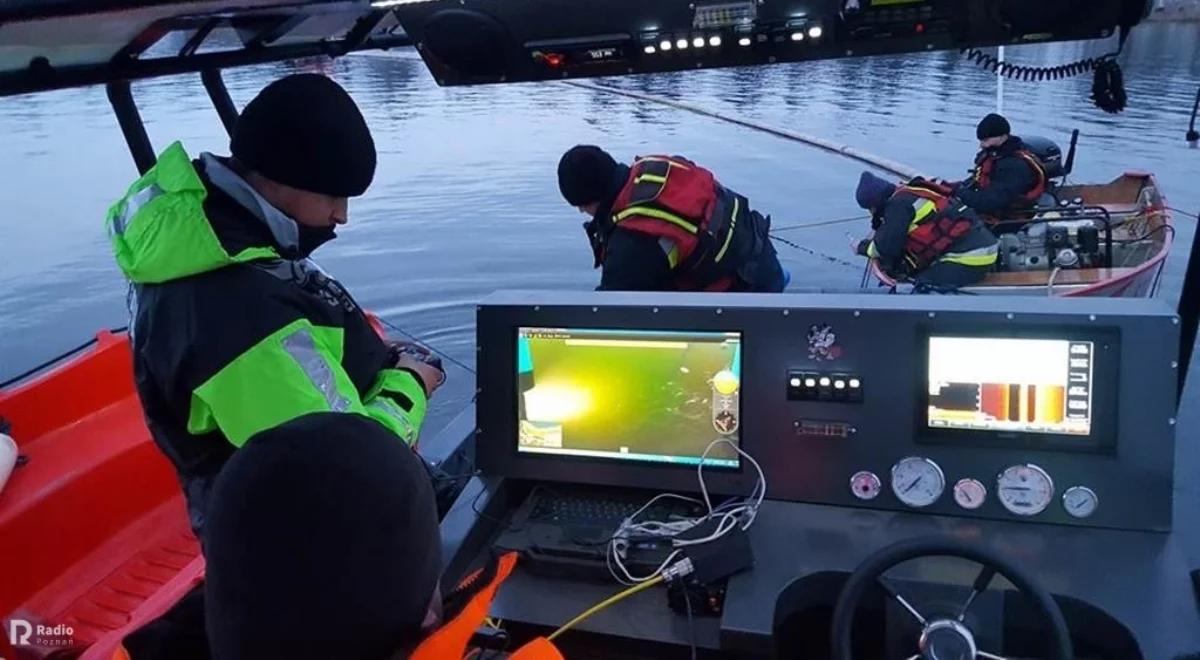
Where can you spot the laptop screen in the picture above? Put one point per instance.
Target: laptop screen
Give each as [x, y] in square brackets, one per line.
[649, 396]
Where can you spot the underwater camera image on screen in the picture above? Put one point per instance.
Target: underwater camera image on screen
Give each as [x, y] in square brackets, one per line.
[651, 396]
[1001, 384]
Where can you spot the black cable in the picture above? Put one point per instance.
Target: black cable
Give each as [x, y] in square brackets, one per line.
[687, 603]
[54, 360]
[413, 337]
[1148, 234]
[1108, 84]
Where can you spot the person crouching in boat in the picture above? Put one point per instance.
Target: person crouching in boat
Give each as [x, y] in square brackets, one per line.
[924, 234]
[324, 543]
[236, 330]
[1008, 178]
[666, 224]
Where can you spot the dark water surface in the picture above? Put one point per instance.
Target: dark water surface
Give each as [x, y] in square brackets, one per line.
[465, 200]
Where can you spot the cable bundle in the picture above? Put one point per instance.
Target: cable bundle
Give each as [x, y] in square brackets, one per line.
[739, 512]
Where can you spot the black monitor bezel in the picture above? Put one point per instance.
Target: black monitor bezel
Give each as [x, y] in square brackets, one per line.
[1105, 390]
[613, 459]
[496, 405]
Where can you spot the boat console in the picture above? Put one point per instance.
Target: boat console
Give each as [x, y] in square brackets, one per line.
[1034, 437]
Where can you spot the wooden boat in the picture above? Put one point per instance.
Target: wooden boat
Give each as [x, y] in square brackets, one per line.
[1135, 232]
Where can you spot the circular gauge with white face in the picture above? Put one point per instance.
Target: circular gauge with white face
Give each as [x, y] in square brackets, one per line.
[1025, 490]
[917, 481]
[969, 493]
[865, 485]
[1080, 501]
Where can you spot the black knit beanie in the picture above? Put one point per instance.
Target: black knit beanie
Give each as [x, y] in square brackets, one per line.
[585, 174]
[305, 131]
[992, 126]
[322, 542]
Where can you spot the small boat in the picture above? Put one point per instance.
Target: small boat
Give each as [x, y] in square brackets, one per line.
[1107, 240]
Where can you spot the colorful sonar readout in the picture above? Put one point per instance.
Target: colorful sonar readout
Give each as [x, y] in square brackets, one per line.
[1041, 386]
[649, 396]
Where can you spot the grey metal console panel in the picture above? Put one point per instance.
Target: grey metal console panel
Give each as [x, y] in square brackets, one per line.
[879, 339]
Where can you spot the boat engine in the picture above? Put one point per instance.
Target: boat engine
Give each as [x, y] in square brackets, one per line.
[1048, 243]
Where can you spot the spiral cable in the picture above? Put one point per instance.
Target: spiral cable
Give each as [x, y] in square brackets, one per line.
[1108, 83]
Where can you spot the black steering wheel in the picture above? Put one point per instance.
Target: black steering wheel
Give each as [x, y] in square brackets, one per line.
[946, 636]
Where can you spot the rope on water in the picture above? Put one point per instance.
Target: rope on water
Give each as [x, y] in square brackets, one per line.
[890, 166]
[821, 223]
[817, 253]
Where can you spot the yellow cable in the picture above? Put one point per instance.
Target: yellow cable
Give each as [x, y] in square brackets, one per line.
[605, 603]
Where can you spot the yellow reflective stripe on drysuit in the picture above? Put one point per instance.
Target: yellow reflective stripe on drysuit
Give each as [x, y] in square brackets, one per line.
[655, 213]
[653, 178]
[663, 160]
[729, 232]
[670, 249]
[923, 211]
[984, 256]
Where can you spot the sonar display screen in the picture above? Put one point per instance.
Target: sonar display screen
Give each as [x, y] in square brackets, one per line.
[649, 396]
[1041, 386]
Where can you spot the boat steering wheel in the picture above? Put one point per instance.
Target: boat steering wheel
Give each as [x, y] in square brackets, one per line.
[944, 637]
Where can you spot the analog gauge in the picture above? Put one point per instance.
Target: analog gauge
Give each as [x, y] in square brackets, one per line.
[865, 485]
[1080, 501]
[1025, 490]
[969, 493]
[917, 481]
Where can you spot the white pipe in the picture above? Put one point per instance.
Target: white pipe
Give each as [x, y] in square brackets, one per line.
[1000, 83]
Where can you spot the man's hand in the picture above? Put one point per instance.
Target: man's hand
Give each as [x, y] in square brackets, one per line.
[859, 246]
[430, 374]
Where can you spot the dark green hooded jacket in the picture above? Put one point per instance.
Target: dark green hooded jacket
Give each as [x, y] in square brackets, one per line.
[235, 331]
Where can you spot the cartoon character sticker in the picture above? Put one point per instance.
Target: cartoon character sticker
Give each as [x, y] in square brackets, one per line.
[822, 343]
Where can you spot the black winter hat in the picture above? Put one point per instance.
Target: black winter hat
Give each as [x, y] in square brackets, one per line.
[585, 174]
[305, 131]
[873, 191]
[322, 541]
[992, 126]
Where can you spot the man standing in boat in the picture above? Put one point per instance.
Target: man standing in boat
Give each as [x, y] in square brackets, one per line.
[1008, 178]
[235, 330]
[665, 224]
[923, 234]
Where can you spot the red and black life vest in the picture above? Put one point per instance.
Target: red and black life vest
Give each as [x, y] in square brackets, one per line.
[987, 161]
[694, 218]
[935, 228]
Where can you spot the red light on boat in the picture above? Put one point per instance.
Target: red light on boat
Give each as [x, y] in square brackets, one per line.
[553, 60]
[919, 28]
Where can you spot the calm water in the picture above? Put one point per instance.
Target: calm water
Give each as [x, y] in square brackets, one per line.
[465, 201]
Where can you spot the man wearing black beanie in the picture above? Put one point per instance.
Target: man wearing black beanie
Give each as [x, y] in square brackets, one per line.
[666, 224]
[323, 543]
[236, 331]
[1007, 179]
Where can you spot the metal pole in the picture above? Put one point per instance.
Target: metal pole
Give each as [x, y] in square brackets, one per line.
[1000, 82]
[120, 96]
[214, 84]
[1189, 312]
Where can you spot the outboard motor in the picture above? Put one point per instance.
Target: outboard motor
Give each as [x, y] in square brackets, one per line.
[1048, 153]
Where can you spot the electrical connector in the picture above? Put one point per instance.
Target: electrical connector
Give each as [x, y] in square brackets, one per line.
[678, 570]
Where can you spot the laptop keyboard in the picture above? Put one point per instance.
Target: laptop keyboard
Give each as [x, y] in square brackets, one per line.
[603, 511]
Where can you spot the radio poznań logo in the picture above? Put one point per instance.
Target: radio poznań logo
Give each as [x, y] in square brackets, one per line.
[22, 633]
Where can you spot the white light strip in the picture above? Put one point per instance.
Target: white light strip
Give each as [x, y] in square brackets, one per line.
[383, 4]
